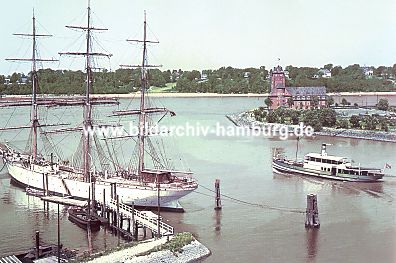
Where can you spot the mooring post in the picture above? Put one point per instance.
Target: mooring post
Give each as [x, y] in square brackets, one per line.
[52, 162]
[118, 218]
[312, 214]
[133, 217]
[104, 204]
[93, 197]
[135, 230]
[46, 184]
[37, 244]
[217, 198]
[59, 246]
[45, 192]
[128, 225]
[115, 190]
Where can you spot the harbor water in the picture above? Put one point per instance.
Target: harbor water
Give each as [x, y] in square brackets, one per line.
[358, 220]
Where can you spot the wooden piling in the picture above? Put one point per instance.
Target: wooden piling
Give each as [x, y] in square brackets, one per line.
[113, 190]
[135, 231]
[217, 198]
[93, 197]
[52, 162]
[108, 215]
[37, 244]
[45, 192]
[104, 203]
[118, 219]
[46, 184]
[133, 217]
[129, 224]
[312, 214]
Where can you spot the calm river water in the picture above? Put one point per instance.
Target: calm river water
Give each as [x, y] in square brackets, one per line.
[357, 220]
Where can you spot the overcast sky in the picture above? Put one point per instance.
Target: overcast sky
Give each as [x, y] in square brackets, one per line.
[208, 34]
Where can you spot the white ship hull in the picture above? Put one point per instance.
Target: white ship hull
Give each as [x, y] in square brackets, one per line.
[59, 184]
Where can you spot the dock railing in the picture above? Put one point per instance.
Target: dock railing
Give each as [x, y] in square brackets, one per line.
[142, 218]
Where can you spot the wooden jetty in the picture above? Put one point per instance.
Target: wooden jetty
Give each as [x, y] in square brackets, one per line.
[68, 200]
[116, 212]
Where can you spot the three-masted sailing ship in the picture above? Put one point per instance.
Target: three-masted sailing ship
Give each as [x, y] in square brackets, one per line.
[141, 186]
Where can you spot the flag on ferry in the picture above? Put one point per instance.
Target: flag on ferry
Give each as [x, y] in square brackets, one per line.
[388, 166]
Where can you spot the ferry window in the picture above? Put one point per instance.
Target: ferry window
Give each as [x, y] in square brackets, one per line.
[364, 172]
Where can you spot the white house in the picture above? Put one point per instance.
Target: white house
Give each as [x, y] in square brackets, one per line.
[325, 73]
[368, 71]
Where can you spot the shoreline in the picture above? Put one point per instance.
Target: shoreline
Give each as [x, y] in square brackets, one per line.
[245, 120]
[203, 95]
[154, 250]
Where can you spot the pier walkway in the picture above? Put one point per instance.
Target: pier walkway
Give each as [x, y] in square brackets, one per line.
[144, 218]
[68, 200]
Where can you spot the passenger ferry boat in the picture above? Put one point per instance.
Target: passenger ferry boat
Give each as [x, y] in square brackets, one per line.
[326, 166]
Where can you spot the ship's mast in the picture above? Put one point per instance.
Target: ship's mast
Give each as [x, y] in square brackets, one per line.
[87, 106]
[143, 111]
[34, 94]
[142, 116]
[86, 149]
[34, 108]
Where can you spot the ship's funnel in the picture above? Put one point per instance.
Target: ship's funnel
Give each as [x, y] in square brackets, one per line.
[323, 152]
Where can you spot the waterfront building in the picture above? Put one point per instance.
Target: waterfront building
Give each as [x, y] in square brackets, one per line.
[294, 97]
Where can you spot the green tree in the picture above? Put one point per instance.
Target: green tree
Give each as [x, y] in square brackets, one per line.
[336, 71]
[314, 102]
[354, 120]
[268, 102]
[328, 117]
[193, 75]
[384, 125]
[272, 117]
[290, 102]
[329, 101]
[370, 122]
[295, 117]
[15, 77]
[312, 118]
[343, 124]
[383, 104]
[344, 102]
